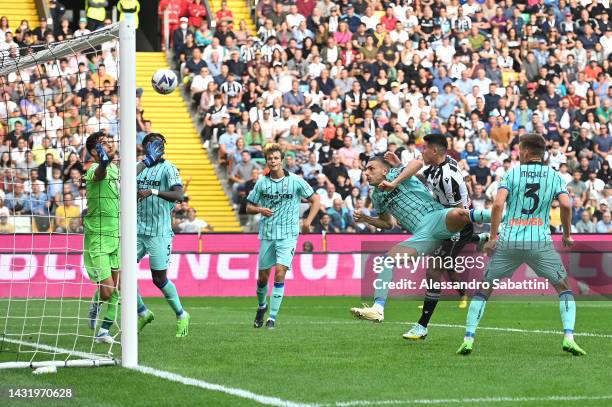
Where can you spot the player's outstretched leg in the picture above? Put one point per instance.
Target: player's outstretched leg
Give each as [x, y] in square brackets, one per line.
[475, 313]
[168, 288]
[145, 315]
[376, 313]
[262, 293]
[567, 306]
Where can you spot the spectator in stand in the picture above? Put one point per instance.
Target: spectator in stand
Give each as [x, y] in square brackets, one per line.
[605, 224]
[191, 224]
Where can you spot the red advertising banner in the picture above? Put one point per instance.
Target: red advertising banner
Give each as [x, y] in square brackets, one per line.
[226, 265]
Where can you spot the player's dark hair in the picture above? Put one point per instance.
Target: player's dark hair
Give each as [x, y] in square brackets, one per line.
[147, 139]
[272, 148]
[380, 159]
[534, 143]
[437, 140]
[92, 140]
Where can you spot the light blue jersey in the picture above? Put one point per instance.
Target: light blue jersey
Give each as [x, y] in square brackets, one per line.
[409, 203]
[283, 197]
[531, 189]
[155, 213]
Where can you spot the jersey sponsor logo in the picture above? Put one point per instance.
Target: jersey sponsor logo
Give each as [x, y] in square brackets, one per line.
[526, 222]
[277, 196]
[149, 182]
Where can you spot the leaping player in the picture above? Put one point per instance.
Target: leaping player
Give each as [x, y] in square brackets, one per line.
[159, 187]
[443, 178]
[399, 193]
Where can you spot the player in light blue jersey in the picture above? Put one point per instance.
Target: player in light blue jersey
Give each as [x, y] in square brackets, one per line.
[277, 197]
[159, 187]
[527, 192]
[399, 196]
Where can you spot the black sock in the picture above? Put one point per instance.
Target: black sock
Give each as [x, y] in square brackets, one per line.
[429, 305]
[461, 291]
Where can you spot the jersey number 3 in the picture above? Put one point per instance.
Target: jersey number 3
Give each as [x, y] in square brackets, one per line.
[532, 192]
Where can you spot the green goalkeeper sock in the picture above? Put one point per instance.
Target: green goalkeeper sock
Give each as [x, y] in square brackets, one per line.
[276, 299]
[96, 297]
[111, 310]
[480, 215]
[262, 292]
[172, 297]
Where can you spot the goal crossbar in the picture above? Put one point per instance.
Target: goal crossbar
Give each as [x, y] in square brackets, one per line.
[55, 51]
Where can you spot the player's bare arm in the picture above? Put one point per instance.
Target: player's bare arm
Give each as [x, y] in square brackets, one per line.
[384, 221]
[315, 203]
[566, 219]
[175, 194]
[496, 217]
[254, 210]
[410, 170]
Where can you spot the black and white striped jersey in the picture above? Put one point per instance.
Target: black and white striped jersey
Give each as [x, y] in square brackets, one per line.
[446, 183]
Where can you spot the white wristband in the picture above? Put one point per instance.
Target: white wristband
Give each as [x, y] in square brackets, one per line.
[155, 192]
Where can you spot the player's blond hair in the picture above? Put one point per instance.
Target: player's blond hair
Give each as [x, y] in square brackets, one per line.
[272, 148]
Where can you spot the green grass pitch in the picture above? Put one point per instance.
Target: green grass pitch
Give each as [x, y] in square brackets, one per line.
[320, 355]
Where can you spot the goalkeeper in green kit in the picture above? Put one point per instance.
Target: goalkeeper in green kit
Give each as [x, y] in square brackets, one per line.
[101, 224]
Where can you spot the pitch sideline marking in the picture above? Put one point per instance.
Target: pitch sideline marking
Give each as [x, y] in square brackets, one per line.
[463, 400]
[189, 381]
[484, 328]
[275, 401]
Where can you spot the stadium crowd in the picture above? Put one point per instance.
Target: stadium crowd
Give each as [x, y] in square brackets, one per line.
[335, 82]
[46, 114]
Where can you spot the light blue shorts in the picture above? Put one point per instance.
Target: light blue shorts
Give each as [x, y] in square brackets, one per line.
[272, 252]
[430, 233]
[159, 249]
[545, 262]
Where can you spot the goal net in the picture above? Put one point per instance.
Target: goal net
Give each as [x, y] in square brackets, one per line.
[53, 96]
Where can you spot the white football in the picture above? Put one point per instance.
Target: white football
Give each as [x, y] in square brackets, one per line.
[164, 81]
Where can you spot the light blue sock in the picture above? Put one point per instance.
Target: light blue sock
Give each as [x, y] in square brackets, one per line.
[262, 292]
[172, 297]
[142, 308]
[381, 294]
[276, 299]
[475, 313]
[480, 215]
[567, 306]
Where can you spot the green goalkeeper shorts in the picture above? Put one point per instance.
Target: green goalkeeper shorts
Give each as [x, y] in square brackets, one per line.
[100, 256]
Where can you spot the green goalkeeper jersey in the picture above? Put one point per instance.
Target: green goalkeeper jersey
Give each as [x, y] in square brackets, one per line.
[102, 202]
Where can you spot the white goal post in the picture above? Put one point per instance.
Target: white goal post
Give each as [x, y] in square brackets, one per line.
[28, 328]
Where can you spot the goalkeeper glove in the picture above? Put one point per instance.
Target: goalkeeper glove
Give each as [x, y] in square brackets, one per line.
[104, 158]
[155, 150]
